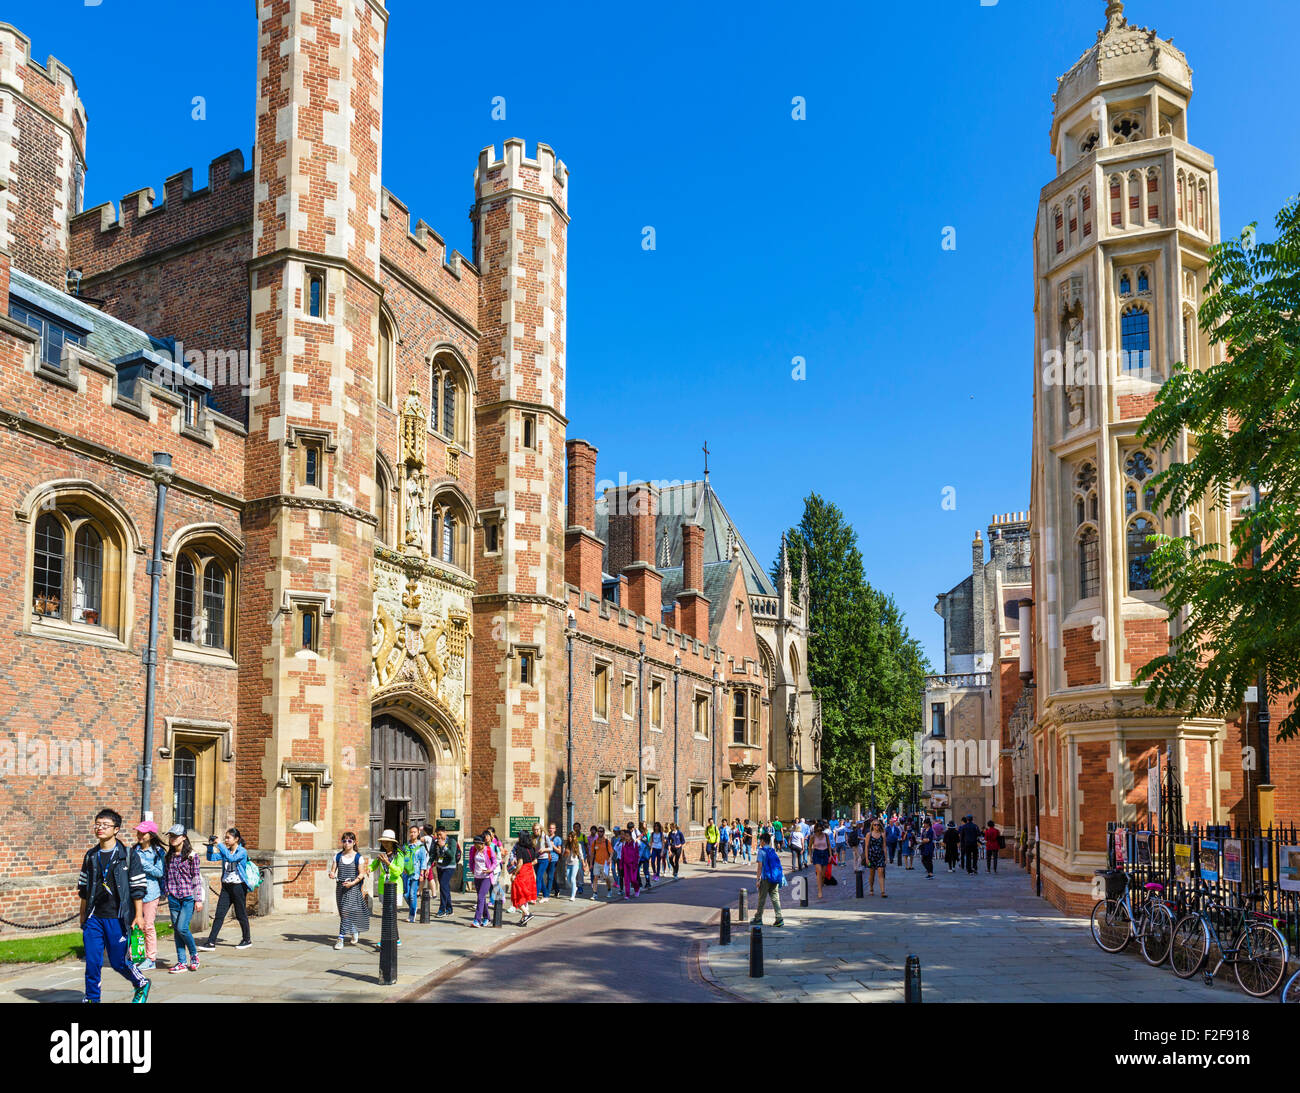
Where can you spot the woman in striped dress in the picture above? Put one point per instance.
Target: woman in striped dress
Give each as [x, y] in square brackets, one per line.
[348, 892]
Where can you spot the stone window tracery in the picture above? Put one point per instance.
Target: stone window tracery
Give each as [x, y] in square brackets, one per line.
[1139, 505]
[203, 596]
[449, 533]
[77, 559]
[1086, 536]
[1126, 128]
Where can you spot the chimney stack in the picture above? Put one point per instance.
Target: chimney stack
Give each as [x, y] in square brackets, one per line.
[632, 546]
[693, 607]
[582, 550]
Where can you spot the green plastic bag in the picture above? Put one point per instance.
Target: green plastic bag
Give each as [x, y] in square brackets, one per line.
[137, 944]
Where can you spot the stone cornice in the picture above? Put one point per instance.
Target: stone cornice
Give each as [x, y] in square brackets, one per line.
[320, 504]
[518, 404]
[513, 191]
[520, 597]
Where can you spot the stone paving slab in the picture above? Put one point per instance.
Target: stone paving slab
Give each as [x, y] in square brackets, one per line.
[293, 959]
[982, 938]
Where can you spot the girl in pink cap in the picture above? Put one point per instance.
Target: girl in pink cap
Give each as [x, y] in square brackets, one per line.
[152, 858]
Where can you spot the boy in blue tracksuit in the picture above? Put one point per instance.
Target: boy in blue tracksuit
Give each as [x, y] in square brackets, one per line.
[111, 887]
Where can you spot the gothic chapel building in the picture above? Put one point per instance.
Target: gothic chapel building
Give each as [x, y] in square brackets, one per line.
[375, 602]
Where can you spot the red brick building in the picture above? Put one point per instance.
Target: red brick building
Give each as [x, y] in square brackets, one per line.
[369, 582]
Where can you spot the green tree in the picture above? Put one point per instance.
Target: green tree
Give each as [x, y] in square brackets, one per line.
[862, 663]
[1242, 422]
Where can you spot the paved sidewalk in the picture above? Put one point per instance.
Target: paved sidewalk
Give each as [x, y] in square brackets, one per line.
[983, 938]
[293, 959]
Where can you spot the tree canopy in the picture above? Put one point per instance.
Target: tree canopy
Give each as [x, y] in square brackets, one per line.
[867, 670]
[1242, 422]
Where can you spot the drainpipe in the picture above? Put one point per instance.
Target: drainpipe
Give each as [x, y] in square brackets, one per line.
[568, 744]
[640, 742]
[162, 475]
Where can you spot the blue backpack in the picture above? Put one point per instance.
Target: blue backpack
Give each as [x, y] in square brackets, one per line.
[772, 871]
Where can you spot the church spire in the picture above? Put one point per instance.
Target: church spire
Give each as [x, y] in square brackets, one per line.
[803, 574]
[783, 574]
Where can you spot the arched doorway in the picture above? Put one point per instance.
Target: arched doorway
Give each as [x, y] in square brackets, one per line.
[400, 775]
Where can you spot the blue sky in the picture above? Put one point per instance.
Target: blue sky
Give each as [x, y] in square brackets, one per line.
[775, 238]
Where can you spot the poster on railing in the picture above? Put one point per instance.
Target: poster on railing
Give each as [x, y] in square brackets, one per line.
[1142, 847]
[1289, 869]
[1232, 860]
[1209, 860]
[1120, 844]
[1183, 863]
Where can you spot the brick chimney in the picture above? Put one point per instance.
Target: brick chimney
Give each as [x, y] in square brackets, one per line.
[692, 606]
[582, 550]
[632, 546]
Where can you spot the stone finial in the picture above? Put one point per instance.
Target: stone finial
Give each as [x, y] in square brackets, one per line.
[1115, 15]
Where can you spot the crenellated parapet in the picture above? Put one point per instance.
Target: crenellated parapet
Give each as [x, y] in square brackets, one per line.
[419, 254]
[101, 238]
[545, 176]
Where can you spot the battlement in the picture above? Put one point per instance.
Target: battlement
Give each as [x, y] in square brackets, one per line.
[51, 85]
[545, 176]
[421, 255]
[623, 628]
[101, 239]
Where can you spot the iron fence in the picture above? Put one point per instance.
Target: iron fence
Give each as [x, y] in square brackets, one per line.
[1229, 862]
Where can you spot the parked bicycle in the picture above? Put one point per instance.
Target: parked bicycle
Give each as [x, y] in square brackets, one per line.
[1255, 947]
[1114, 924]
[1291, 992]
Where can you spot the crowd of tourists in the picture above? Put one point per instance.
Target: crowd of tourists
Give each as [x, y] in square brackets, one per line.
[122, 889]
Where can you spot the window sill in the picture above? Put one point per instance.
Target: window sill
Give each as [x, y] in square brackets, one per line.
[78, 633]
[600, 720]
[656, 728]
[198, 654]
[699, 736]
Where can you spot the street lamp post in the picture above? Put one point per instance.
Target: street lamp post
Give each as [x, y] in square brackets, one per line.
[873, 779]
[162, 473]
[713, 754]
[677, 675]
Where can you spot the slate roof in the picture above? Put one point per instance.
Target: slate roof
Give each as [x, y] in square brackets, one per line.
[106, 336]
[698, 502]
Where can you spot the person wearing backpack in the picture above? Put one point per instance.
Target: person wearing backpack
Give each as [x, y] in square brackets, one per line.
[348, 874]
[927, 850]
[853, 839]
[711, 843]
[444, 861]
[483, 867]
[768, 880]
[415, 862]
[111, 887]
[152, 861]
[676, 847]
[234, 890]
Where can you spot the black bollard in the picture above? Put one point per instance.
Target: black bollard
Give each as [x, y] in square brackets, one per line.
[724, 928]
[743, 909]
[424, 904]
[388, 937]
[496, 913]
[756, 952]
[858, 874]
[912, 979]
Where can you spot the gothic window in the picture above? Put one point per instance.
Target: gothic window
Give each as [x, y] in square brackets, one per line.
[449, 531]
[1089, 142]
[1085, 206]
[1073, 220]
[1138, 466]
[203, 596]
[1125, 285]
[384, 363]
[1088, 571]
[1134, 197]
[1189, 343]
[1153, 194]
[1202, 199]
[383, 488]
[1085, 514]
[77, 560]
[1139, 553]
[1182, 197]
[1130, 501]
[1144, 282]
[449, 412]
[1126, 128]
[1058, 233]
[1135, 338]
[1116, 206]
[316, 293]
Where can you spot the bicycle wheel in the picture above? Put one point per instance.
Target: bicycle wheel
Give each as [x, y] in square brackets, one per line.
[1291, 992]
[1112, 926]
[1189, 946]
[1157, 934]
[1261, 959]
